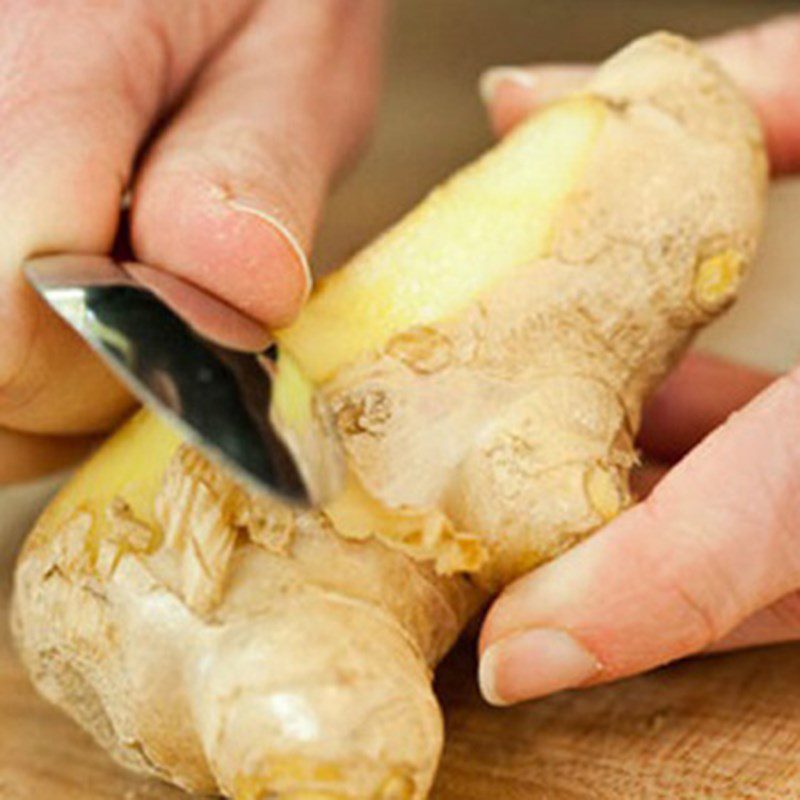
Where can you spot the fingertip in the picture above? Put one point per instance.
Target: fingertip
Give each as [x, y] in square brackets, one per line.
[491, 627]
[300, 266]
[512, 93]
[509, 94]
[207, 315]
[493, 80]
[534, 663]
[488, 677]
[509, 613]
[232, 247]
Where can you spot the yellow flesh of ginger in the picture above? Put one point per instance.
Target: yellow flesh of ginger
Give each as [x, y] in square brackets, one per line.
[467, 235]
[129, 465]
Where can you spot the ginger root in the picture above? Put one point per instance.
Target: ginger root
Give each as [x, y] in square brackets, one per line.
[483, 366]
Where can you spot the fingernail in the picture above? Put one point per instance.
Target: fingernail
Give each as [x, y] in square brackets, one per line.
[208, 315]
[532, 664]
[249, 207]
[491, 79]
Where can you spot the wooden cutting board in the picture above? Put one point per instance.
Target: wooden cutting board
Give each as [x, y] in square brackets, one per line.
[714, 728]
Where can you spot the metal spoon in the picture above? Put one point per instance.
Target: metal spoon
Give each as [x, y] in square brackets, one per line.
[214, 392]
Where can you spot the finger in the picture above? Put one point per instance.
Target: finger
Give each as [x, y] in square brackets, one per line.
[82, 84]
[696, 398]
[25, 456]
[242, 172]
[777, 623]
[763, 60]
[715, 542]
[511, 93]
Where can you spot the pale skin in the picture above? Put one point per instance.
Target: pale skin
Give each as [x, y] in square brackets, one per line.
[223, 172]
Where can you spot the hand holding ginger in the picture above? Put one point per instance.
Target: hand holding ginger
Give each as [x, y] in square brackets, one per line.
[708, 560]
[224, 120]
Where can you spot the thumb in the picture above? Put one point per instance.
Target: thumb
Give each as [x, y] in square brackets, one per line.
[715, 542]
[242, 172]
[763, 60]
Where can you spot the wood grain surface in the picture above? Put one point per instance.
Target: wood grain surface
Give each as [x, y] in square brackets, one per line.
[719, 728]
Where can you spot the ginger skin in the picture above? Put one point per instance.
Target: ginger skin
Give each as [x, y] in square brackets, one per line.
[227, 643]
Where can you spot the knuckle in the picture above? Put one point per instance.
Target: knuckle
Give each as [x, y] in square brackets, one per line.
[244, 140]
[704, 624]
[142, 51]
[243, 156]
[703, 600]
[128, 59]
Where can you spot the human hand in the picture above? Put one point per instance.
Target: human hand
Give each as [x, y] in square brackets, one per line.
[710, 560]
[227, 120]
